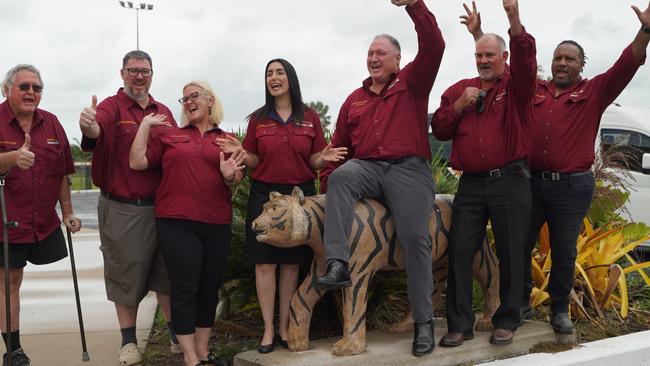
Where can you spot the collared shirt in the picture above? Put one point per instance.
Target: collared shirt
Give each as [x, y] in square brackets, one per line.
[393, 124]
[562, 130]
[31, 194]
[119, 117]
[284, 149]
[495, 137]
[192, 186]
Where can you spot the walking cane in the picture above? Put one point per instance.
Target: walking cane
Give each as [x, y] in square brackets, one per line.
[5, 227]
[84, 354]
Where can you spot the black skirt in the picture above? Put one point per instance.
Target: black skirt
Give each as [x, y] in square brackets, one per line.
[262, 253]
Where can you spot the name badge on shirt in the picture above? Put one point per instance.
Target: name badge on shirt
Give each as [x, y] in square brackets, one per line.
[52, 141]
[500, 95]
[305, 124]
[576, 94]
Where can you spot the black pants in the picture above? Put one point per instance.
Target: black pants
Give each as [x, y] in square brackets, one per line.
[195, 254]
[563, 205]
[506, 202]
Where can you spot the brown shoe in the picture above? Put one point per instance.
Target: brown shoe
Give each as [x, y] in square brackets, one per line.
[455, 339]
[501, 336]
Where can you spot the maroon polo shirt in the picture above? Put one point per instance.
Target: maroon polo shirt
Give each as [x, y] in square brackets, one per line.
[495, 137]
[284, 148]
[31, 194]
[119, 117]
[192, 186]
[393, 124]
[562, 130]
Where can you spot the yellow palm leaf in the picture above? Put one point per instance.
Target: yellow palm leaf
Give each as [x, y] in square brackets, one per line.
[586, 278]
[622, 289]
[538, 296]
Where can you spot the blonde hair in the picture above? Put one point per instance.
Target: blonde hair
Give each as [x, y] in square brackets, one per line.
[216, 111]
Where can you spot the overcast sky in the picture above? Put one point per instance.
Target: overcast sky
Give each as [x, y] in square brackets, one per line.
[78, 45]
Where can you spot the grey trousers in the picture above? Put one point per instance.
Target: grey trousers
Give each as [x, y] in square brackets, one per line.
[408, 189]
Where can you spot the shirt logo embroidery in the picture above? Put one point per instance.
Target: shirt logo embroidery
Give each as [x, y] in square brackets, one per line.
[359, 103]
[6, 142]
[576, 94]
[306, 124]
[500, 95]
[126, 123]
[266, 125]
[52, 141]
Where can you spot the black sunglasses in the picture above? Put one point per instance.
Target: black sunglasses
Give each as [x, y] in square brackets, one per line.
[35, 87]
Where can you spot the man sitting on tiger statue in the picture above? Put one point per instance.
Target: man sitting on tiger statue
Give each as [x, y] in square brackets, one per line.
[384, 123]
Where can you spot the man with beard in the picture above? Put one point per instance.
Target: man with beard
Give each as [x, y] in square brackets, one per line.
[35, 161]
[484, 117]
[562, 131]
[133, 264]
[384, 124]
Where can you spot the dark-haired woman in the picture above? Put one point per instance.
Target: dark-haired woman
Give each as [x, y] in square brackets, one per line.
[284, 145]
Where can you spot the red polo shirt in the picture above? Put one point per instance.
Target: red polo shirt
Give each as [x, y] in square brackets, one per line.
[119, 117]
[31, 194]
[284, 148]
[562, 130]
[495, 137]
[192, 187]
[393, 124]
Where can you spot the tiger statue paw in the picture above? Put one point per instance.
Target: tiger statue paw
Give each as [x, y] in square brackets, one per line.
[349, 346]
[406, 325]
[484, 325]
[292, 220]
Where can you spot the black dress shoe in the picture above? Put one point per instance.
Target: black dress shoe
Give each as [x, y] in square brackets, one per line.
[337, 276]
[561, 323]
[266, 348]
[283, 343]
[423, 339]
[214, 360]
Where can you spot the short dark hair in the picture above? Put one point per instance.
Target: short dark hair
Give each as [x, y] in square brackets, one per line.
[583, 57]
[297, 106]
[138, 55]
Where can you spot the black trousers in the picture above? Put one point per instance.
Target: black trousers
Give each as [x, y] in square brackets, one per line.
[195, 255]
[506, 202]
[563, 205]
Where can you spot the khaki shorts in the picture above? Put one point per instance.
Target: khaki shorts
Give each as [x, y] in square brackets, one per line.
[133, 263]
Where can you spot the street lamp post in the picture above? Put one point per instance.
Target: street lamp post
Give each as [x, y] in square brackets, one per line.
[137, 8]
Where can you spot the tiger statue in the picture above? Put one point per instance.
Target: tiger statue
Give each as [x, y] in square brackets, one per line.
[291, 220]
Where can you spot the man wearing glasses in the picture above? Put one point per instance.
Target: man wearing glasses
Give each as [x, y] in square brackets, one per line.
[133, 264]
[35, 160]
[484, 118]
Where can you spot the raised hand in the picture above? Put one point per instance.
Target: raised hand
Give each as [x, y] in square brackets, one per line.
[333, 154]
[403, 2]
[155, 120]
[87, 120]
[230, 144]
[511, 7]
[72, 223]
[231, 166]
[24, 157]
[644, 16]
[472, 20]
[468, 98]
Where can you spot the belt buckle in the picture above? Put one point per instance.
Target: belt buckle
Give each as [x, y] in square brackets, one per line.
[495, 173]
[552, 176]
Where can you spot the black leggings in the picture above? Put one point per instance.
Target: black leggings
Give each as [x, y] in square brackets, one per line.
[195, 254]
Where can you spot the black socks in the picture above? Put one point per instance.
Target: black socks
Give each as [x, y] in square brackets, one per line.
[128, 335]
[15, 340]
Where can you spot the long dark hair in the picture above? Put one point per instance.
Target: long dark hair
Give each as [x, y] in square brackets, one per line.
[297, 106]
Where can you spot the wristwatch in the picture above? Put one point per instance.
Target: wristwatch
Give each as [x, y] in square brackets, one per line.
[645, 29]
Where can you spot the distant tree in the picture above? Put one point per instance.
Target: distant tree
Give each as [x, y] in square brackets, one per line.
[79, 155]
[322, 110]
[540, 74]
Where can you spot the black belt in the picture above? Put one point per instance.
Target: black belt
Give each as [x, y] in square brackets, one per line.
[554, 176]
[512, 167]
[149, 201]
[400, 160]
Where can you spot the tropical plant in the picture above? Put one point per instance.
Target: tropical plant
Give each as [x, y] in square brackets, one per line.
[323, 112]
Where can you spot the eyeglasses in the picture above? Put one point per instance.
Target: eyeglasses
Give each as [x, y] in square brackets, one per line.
[135, 71]
[35, 87]
[480, 105]
[192, 97]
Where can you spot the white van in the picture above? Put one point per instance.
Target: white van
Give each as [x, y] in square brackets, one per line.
[624, 126]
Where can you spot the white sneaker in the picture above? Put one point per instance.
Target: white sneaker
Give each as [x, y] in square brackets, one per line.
[129, 355]
[175, 348]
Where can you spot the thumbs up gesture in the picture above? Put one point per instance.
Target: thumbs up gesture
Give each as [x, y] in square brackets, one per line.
[87, 120]
[24, 157]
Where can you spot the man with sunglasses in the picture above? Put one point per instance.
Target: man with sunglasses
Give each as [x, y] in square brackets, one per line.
[35, 160]
[484, 116]
[133, 264]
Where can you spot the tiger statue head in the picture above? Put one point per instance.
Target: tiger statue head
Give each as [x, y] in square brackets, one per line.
[284, 221]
